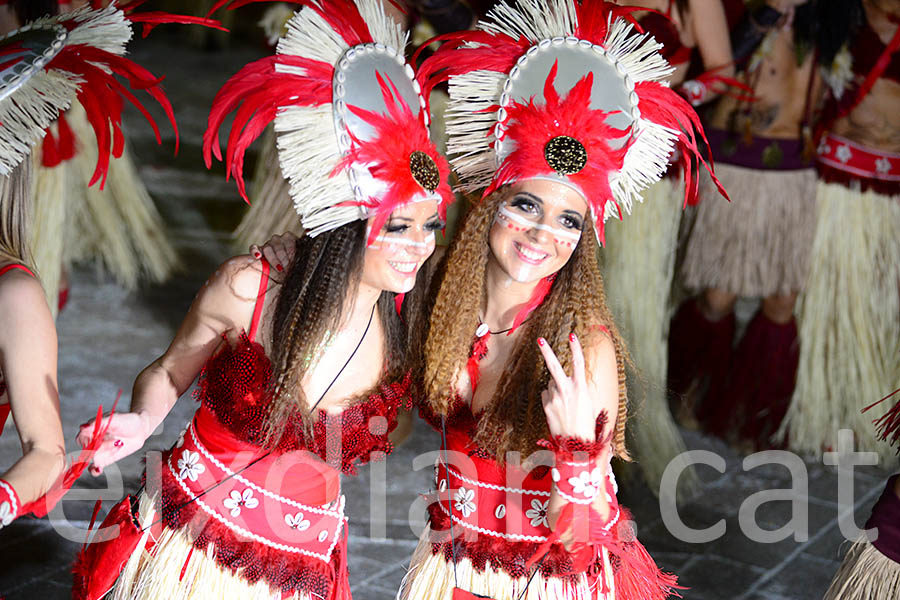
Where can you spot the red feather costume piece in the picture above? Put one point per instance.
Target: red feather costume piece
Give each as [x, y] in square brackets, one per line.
[269, 87]
[387, 155]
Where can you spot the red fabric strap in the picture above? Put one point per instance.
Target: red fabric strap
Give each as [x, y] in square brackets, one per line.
[260, 300]
[4, 408]
[10, 507]
[8, 268]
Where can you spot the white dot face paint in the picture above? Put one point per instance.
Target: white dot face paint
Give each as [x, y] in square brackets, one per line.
[405, 241]
[537, 228]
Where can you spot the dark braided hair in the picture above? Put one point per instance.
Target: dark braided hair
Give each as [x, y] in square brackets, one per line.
[313, 299]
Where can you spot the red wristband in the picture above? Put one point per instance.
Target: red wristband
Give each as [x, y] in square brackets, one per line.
[9, 504]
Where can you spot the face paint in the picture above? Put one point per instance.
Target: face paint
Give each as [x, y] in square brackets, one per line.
[520, 223]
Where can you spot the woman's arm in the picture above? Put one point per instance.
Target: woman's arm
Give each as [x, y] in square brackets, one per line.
[573, 406]
[223, 307]
[709, 27]
[28, 356]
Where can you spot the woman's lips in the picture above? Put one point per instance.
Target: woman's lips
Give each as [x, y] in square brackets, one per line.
[529, 255]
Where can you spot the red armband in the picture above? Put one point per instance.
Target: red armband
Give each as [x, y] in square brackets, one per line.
[10, 507]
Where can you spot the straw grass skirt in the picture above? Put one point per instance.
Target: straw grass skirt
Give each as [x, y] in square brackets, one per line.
[118, 227]
[430, 577]
[758, 244]
[638, 266]
[48, 225]
[849, 321]
[865, 574]
[271, 207]
[174, 570]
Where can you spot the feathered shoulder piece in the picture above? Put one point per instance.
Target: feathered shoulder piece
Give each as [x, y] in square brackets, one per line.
[47, 63]
[564, 90]
[350, 119]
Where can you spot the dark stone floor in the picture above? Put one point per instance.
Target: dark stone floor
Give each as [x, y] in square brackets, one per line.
[108, 335]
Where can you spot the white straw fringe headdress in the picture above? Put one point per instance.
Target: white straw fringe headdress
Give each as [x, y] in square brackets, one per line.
[564, 90]
[350, 119]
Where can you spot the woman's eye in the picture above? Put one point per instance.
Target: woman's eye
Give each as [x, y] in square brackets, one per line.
[396, 228]
[570, 223]
[525, 205]
[434, 226]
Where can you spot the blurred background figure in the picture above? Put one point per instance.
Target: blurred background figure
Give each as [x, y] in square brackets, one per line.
[756, 246]
[849, 312]
[639, 255]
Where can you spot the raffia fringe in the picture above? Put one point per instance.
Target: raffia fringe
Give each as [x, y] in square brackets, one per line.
[48, 228]
[849, 322]
[639, 262]
[469, 117]
[759, 243]
[271, 208]
[308, 148]
[171, 571]
[865, 574]
[117, 227]
[430, 577]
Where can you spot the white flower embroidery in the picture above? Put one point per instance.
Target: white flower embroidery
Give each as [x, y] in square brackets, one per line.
[538, 513]
[465, 501]
[6, 514]
[587, 483]
[824, 149]
[843, 153]
[883, 165]
[237, 500]
[189, 465]
[297, 522]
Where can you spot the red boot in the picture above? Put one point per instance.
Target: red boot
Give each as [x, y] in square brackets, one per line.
[699, 352]
[760, 382]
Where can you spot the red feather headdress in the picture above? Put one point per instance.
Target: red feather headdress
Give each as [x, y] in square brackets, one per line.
[347, 152]
[77, 55]
[564, 89]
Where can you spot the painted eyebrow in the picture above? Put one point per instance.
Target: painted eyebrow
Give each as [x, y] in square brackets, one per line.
[530, 196]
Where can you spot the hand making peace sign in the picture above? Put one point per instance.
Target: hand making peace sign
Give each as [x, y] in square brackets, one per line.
[568, 402]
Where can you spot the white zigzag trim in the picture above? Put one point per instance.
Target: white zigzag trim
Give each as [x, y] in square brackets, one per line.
[268, 493]
[491, 486]
[258, 538]
[509, 536]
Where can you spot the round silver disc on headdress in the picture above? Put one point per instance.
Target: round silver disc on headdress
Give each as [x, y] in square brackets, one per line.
[611, 92]
[356, 84]
[25, 52]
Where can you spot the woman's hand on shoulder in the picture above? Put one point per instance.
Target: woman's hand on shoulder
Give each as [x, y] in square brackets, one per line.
[278, 251]
[572, 402]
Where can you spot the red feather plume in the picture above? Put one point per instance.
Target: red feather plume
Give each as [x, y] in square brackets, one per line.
[573, 117]
[398, 134]
[888, 425]
[67, 478]
[257, 92]
[102, 95]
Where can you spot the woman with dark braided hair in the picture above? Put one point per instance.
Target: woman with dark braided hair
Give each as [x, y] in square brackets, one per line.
[517, 349]
[300, 378]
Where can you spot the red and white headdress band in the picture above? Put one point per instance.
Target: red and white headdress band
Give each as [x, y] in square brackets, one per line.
[564, 90]
[350, 119]
[48, 63]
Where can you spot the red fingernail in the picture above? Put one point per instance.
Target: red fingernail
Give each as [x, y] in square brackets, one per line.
[571, 337]
[541, 341]
[279, 267]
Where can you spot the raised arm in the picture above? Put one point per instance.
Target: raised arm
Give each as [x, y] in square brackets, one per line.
[573, 406]
[28, 356]
[224, 307]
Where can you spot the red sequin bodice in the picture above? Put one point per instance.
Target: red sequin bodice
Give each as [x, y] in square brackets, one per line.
[234, 385]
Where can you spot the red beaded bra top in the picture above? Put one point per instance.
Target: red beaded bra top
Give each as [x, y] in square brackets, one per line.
[234, 386]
